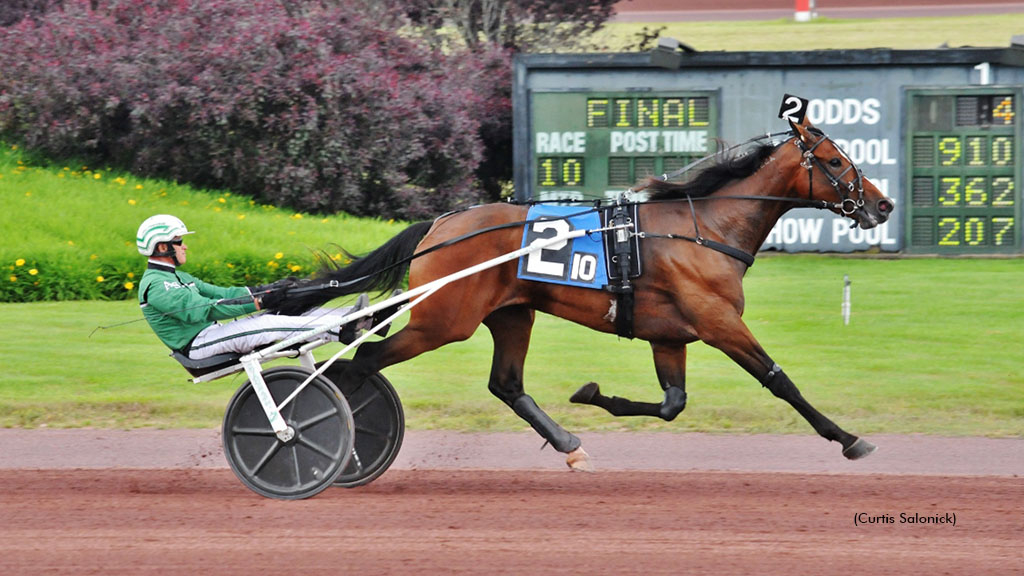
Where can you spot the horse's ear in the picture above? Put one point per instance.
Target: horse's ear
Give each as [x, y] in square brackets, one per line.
[800, 129]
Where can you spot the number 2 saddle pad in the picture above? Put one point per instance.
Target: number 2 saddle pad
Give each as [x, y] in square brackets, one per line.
[577, 262]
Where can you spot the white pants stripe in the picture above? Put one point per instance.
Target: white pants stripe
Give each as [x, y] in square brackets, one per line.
[247, 334]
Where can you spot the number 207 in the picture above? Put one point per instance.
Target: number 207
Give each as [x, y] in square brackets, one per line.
[972, 231]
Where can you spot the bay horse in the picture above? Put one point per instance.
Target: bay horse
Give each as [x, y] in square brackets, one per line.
[689, 290]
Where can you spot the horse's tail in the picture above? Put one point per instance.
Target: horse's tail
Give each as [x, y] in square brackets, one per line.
[381, 270]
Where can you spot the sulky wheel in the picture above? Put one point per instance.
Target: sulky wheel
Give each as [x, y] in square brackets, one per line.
[312, 459]
[379, 423]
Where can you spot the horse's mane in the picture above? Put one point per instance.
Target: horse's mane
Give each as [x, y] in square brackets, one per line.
[726, 168]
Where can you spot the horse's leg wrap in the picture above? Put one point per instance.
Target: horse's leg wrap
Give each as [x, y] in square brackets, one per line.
[675, 401]
[782, 387]
[561, 439]
[777, 382]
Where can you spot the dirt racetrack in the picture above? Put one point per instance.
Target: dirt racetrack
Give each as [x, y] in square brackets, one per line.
[461, 504]
[510, 522]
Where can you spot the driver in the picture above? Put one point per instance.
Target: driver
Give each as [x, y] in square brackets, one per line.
[184, 311]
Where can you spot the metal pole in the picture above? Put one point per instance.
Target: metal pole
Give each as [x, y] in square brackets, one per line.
[846, 300]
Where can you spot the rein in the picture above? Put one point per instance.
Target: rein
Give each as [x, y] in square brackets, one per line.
[445, 244]
[810, 160]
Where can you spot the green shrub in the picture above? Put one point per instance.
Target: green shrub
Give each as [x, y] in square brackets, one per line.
[323, 109]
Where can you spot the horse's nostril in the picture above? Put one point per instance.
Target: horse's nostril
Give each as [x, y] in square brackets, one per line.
[885, 206]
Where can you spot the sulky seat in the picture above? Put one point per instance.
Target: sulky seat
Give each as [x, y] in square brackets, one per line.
[204, 366]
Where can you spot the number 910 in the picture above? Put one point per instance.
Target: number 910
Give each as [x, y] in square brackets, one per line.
[976, 151]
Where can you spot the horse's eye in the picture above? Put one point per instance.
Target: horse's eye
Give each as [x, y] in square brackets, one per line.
[835, 162]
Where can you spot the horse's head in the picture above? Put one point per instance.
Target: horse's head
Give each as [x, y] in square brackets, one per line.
[836, 181]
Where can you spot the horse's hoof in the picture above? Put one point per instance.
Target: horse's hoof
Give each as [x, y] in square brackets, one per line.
[579, 460]
[859, 449]
[586, 393]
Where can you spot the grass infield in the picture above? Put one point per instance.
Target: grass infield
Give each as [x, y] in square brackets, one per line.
[933, 347]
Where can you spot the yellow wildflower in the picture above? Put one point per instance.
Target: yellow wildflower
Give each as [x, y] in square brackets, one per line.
[14, 147]
[138, 186]
[97, 176]
[297, 216]
[221, 200]
[129, 285]
[14, 278]
[131, 274]
[19, 262]
[241, 216]
[295, 267]
[33, 272]
[279, 255]
[131, 202]
[100, 278]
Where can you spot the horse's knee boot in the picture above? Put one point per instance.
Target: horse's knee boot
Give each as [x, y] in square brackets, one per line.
[675, 401]
[560, 438]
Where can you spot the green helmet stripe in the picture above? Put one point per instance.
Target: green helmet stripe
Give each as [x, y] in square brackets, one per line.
[147, 239]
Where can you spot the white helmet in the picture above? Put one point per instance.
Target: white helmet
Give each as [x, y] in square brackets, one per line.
[157, 229]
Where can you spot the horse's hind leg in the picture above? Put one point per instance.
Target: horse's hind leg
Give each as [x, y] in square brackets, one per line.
[734, 339]
[510, 327]
[670, 364]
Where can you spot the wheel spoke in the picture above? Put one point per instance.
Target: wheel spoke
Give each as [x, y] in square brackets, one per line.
[364, 431]
[350, 393]
[316, 448]
[249, 431]
[295, 468]
[274, 448]
[289, 411]
[313, 421]
[356, 462]
[366, 402]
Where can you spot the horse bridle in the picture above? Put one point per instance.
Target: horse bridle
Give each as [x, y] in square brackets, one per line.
[846, 205]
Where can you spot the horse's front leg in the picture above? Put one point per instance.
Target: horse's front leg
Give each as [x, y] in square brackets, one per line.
[511, 327]
[731, 335]
[670, 365]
